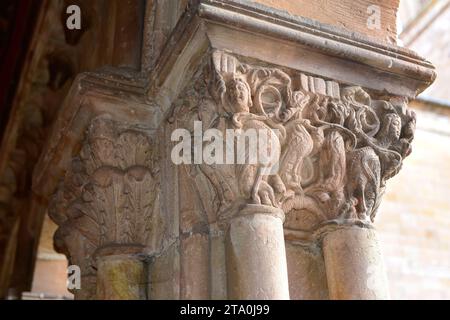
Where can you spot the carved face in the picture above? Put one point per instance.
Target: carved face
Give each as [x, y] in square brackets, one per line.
[394, 126]
[103, 149]
[238, 95]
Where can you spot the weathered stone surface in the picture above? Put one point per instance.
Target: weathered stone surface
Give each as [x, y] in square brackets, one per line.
[334, 156]
[306, 271]
[256, 256]
[109, 197]
[164, 275]
[121, 278]
[195, 267]
[349, 14]
[52, 57]
[218, 267]
[354, 264]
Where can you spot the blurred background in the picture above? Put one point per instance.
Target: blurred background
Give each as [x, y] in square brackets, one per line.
[413, 221]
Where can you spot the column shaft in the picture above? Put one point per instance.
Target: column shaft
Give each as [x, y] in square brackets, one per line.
[354, 264]
[256, 255]
[121, 277]
[306, 271]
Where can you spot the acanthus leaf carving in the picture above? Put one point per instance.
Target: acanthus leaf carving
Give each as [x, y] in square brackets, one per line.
[110, 195]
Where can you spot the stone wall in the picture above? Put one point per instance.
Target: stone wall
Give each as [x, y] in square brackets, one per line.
[414, 218]
[348, 14]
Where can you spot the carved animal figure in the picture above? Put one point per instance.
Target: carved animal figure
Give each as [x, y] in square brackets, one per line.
[363, 168]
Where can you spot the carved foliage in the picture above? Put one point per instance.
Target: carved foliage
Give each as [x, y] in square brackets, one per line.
[110, 196]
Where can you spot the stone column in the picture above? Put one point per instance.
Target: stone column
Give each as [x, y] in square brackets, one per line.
[306, 268]
[121, 277]
[354, 264]
[256, 255]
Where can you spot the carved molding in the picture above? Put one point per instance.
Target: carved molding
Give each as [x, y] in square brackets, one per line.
[110, 195]
[338, 145]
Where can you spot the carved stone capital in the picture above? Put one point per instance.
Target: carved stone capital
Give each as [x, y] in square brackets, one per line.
[336, 145]
[109, 197]
[334, 104]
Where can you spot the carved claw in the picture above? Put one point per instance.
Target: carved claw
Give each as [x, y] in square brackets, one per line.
[264, 195]
[267, 194]
[277, 183]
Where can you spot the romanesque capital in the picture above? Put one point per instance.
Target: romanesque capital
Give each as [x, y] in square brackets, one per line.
[332, 146]
[109, 197]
